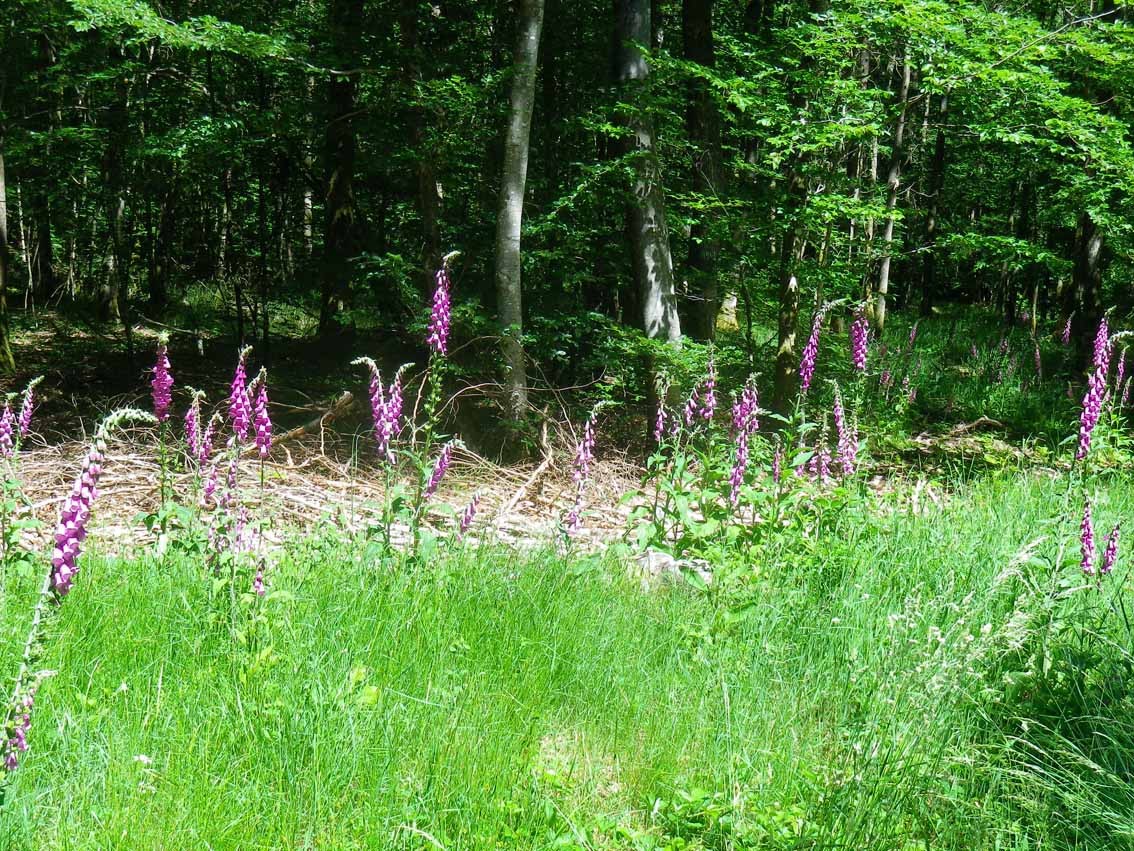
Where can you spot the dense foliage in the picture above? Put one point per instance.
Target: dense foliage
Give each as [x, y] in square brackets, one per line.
[244, 155]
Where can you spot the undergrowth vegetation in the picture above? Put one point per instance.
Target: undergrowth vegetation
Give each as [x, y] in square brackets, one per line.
[779, 653]
[975, 693]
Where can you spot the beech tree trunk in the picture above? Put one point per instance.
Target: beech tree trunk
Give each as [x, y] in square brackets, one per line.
[7, 361]
[649, 235]
[340, 149]
[893, 184]
[703, 122]
[1086, 281]
[509, 221]
[936, 181]
[428, 196]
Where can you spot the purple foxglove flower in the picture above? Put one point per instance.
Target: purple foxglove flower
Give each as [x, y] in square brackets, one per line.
[7, 427]
[1110, 556]
[162, 383]
[585, 452]
[810, 353]
[1003, 347]
[1092, 405]
[584, 456]
[691, 407]
[442, 316]
[777, 463]
[887, 380]
[444, 459]
[1065, 336]
[28, 407]
[659, 422]
[1120, 376]
[209, 492]
[71, 529]
[205, 450]
[239, 406]
[709, 401]
[193, 426]
[820, 464]
[739, 467]
[847, 447]
[745, 409]
[258, 586]
[859, 337]
[1102, 344]
[468, 515]
[913, 336]
[261, 420]
[385, 408]
[19, 726]
[1087, 541]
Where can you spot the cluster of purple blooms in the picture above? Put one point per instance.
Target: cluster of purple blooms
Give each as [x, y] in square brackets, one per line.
[1096, 390]
[162, 383]
[441, 318]
[847, 448]
[468, 515]
[19, 725]
[584, 456]
[745, 422]
[14, 429]
[71, 530]
[860, 340]
[239, 406]
[811, 352]
[1087, 545]
[440, 467]
[261, 421]
[386, 405]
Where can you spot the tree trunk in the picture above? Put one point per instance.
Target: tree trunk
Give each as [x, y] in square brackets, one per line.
[115, 297]
[1086, 282]
[703, 122]
[340, 149]
[428, 196]
[509, 300]
[936, 181]
[7, 361]
[893, 183]
[649, 235]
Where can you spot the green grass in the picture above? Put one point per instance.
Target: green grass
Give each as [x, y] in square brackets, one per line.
[874, 688]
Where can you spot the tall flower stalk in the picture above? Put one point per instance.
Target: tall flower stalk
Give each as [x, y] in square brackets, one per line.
[859, 338]
[1096, 390]
[70, 533]
[161, 388]
[581, 473]
[239, 405]
[1087, 541]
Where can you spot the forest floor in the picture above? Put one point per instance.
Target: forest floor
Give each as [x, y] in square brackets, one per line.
[909, 657]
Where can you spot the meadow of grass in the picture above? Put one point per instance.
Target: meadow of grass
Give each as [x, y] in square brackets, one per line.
[901, 681]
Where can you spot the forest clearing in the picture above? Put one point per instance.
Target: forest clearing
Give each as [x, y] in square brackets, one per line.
[665, 425]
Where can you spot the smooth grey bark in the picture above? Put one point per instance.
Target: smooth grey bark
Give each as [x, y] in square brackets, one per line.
[509, 221]
[649, 234]
[7, 362]
[936, 182]
[340, 148]
[893, 184]
[703, 122]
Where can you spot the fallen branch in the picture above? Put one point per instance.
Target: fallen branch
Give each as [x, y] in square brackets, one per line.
[545, 446]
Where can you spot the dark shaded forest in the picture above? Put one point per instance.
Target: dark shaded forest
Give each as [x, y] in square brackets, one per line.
[268, 170]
